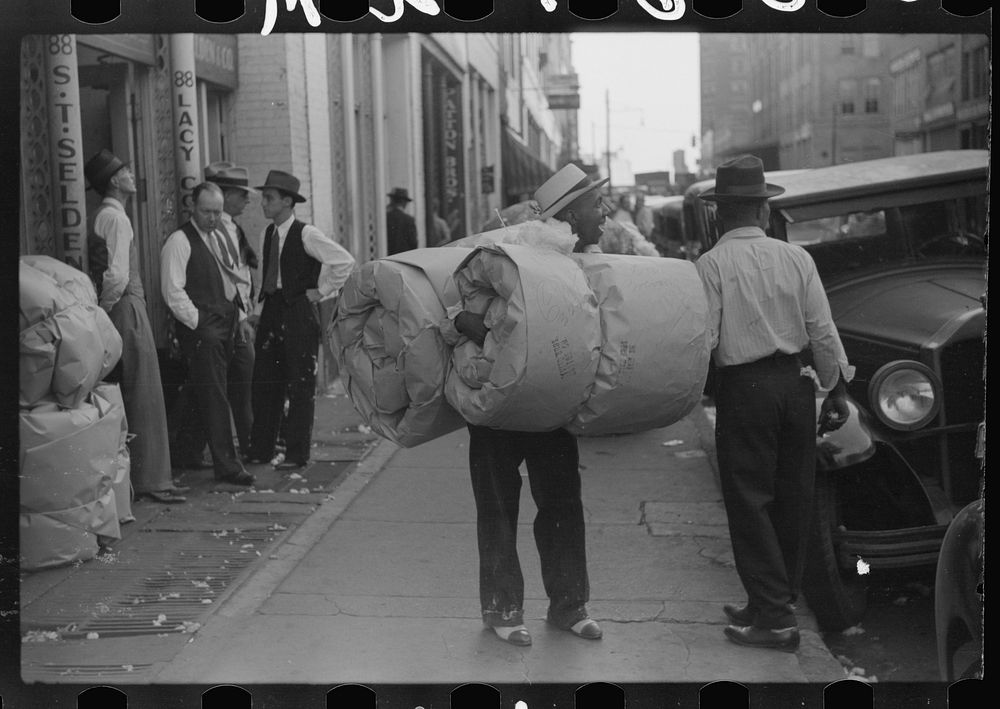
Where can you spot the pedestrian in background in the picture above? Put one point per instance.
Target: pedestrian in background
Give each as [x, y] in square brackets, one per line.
[553, 463]
[623, 214]
[401, 228]
[440, 231]
[766, 307]
[302, 266]
[204, 301]
[114, 267]
[643, 216]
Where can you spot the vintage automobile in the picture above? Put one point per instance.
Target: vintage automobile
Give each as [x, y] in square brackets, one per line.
[899, 245]
[958, 595]
[668, 230]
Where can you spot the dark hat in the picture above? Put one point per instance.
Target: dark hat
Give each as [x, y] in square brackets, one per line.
[740, 180]
[101, 168]
[226, 174]
[562, 188]
[399, 194]
[283, 182]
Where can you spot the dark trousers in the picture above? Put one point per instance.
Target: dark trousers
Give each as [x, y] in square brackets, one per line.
[766, 444]
[191, 430]
[207, 351]
[286, 349]
[554, 476]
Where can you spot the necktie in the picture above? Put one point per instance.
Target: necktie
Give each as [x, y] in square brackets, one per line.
[230, 257]
[271, 277]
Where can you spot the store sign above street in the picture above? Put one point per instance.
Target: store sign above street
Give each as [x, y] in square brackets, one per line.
[215, 58]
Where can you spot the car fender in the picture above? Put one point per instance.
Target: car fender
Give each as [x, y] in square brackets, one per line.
[852, 443]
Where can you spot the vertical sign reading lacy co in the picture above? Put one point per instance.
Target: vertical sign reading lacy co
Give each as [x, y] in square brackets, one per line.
[63, 86]
[184, 92]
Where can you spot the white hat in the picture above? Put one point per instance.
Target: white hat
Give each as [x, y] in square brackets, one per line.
[562, 188]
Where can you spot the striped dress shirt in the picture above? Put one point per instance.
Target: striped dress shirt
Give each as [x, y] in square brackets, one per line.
[765, 296]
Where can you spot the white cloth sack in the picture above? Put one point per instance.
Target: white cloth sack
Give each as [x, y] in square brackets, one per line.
[70, 279]
[122, 481]
[540, 234]
[49, 539]
[393, 357]
[654, 349]
[538, 362]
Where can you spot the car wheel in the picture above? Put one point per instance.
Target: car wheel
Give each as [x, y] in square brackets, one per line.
[838, 598]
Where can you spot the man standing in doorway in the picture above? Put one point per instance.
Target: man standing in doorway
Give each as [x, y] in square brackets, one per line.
[203, 299]
[766, 307]
[114, 266]
[553, 463]
[302, 266]
[401, 228]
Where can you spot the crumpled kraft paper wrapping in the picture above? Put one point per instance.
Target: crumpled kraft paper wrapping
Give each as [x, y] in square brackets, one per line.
[40, 296]
[49, 539]
[122, 482]
[392, 355]
[540, 357]
[70, 279]
[654, 351]
[77, 467]
[66, 354]
[547, 234]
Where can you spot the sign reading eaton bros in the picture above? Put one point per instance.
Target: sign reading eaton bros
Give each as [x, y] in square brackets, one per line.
[215, 59]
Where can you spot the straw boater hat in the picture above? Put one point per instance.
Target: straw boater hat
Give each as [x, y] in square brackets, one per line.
[283, 182]
[101, 168]
[562, 188]
[741, 180]
[226, 174]
[399, 194]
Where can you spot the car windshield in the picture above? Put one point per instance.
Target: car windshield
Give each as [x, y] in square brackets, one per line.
[853, 240]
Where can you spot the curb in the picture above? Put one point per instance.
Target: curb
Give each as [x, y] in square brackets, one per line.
[249, 596]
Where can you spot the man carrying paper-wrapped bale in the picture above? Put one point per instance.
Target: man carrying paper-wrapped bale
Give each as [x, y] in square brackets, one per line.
[552, 459]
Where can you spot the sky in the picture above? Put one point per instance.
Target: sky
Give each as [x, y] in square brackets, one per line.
[653, 80]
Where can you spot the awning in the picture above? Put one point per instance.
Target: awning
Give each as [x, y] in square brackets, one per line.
[523, 173]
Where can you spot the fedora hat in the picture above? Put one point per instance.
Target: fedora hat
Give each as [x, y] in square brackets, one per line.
[399, 194]
[562, 188]
[283, 182]
[101, 168]
[740, 180]
[227, 174]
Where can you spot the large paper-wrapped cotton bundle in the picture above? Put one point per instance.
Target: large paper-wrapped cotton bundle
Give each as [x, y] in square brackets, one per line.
[392, 355]
[547, 234]
[654, 351]
[70, 279]
[540, 356]
[68, 459]
[66, 344]
[68, 466]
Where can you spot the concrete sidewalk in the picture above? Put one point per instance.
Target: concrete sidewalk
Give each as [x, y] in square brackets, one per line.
[380, 584]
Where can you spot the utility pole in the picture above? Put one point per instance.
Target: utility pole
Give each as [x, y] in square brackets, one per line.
[607, 135]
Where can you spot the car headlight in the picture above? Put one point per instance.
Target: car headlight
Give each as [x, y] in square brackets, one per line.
[905, 395]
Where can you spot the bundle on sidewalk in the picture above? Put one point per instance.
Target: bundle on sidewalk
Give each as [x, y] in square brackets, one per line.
[73, 458]
[597, 343]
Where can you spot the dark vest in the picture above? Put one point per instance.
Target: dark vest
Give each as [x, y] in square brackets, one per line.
[204, 281]
[97, 261]
[299, 270]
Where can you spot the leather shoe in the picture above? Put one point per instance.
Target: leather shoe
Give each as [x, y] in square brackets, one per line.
[240, 478]
[785, 639]
[518, 635]
[167, 497]
[289, 465]
[588, 629]
[739, 616]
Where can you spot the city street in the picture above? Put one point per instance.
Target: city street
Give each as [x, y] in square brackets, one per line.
[378, 584]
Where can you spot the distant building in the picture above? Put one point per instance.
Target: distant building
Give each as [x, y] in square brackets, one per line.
[806, 100]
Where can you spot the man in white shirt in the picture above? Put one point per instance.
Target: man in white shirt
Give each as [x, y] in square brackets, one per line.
[302, 266]
[113, 259]
[204, 301]
[766, 307]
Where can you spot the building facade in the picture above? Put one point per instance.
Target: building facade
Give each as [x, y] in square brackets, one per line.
[352, 116]
[808, 100]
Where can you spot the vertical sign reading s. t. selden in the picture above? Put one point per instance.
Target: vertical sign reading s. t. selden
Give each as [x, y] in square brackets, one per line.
[184, 91]
[454, 168]
[66, 142]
